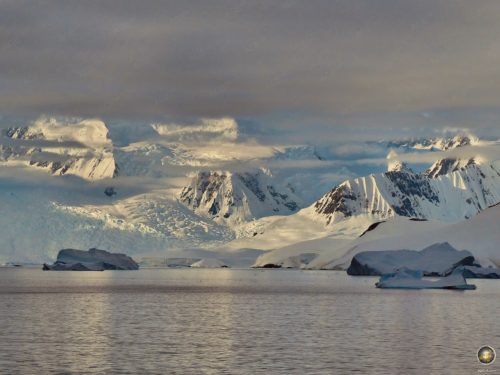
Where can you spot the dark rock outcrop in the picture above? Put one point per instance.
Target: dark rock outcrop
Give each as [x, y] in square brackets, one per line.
[91, 260]
[436, 260]
[270, 265]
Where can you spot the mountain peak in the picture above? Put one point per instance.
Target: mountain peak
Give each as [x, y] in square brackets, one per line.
[465, 187]
[238, 196]
[436, 144]
[63, 146]
[448, 165]
[398, 166]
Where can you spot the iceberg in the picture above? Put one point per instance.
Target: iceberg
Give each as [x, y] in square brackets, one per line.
[413, 279]
[439, 259]
[91, 260]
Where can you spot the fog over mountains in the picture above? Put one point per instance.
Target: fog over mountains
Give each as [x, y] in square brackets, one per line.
[208, 186]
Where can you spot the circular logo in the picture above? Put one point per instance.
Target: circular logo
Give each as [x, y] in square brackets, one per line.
[486, 355]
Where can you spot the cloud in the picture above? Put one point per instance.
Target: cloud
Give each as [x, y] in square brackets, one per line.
[224, 129]
[353, 149]
[236, 58]
[489, 151]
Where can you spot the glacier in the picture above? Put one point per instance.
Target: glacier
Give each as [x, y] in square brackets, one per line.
[207, 188]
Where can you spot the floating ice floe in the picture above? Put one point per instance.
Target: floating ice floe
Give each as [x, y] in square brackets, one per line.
[411, 279]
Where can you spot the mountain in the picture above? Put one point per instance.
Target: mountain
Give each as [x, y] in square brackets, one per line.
[350, 208]
[397, 166]
[304, 152]
[80, 148]
[66, 183]
[448, 165]
[449, 197]
[435, 144]
[479, 235]
[238, 197]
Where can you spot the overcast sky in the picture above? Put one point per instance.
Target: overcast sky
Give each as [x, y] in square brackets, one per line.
[326, 66]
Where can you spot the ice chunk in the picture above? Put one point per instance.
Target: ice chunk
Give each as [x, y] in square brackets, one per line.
[91, 260]
[412, 279]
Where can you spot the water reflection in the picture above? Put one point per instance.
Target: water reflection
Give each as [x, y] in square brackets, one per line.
[237, 322]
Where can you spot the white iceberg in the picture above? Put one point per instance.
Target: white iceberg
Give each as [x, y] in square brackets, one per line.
[209, 263]
[411, 279]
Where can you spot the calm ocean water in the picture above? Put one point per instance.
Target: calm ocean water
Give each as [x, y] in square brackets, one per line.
[186, 321]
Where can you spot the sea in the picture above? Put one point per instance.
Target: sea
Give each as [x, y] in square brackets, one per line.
[239, 321]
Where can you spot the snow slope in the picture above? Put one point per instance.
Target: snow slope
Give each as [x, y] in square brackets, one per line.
[208, 263]
[480, 235]
[37, 222]
[75, 147]
[450, 197]
[346, 234]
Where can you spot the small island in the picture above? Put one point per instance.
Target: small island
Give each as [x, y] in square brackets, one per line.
[91, 260]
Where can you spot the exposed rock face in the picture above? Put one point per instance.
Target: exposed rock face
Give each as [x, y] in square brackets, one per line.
[91, 260]
[398, 166]
[79, 147]
[448, 165]
[436, 260]
[457, 141]
[373, 227]
[435, 143]
[237, 197]
[270, 265]
[448, 191]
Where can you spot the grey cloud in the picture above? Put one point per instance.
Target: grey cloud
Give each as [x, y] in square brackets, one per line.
[148, 59]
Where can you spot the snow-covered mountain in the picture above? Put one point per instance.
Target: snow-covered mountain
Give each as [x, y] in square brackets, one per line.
[448, 165]
[78, 147]
[205, 187]
[300, 152]
[479, 235]
[238, 197]
[460, 194]
[435, 144]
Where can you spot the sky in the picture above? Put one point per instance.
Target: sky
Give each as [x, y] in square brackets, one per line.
[300, 70]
